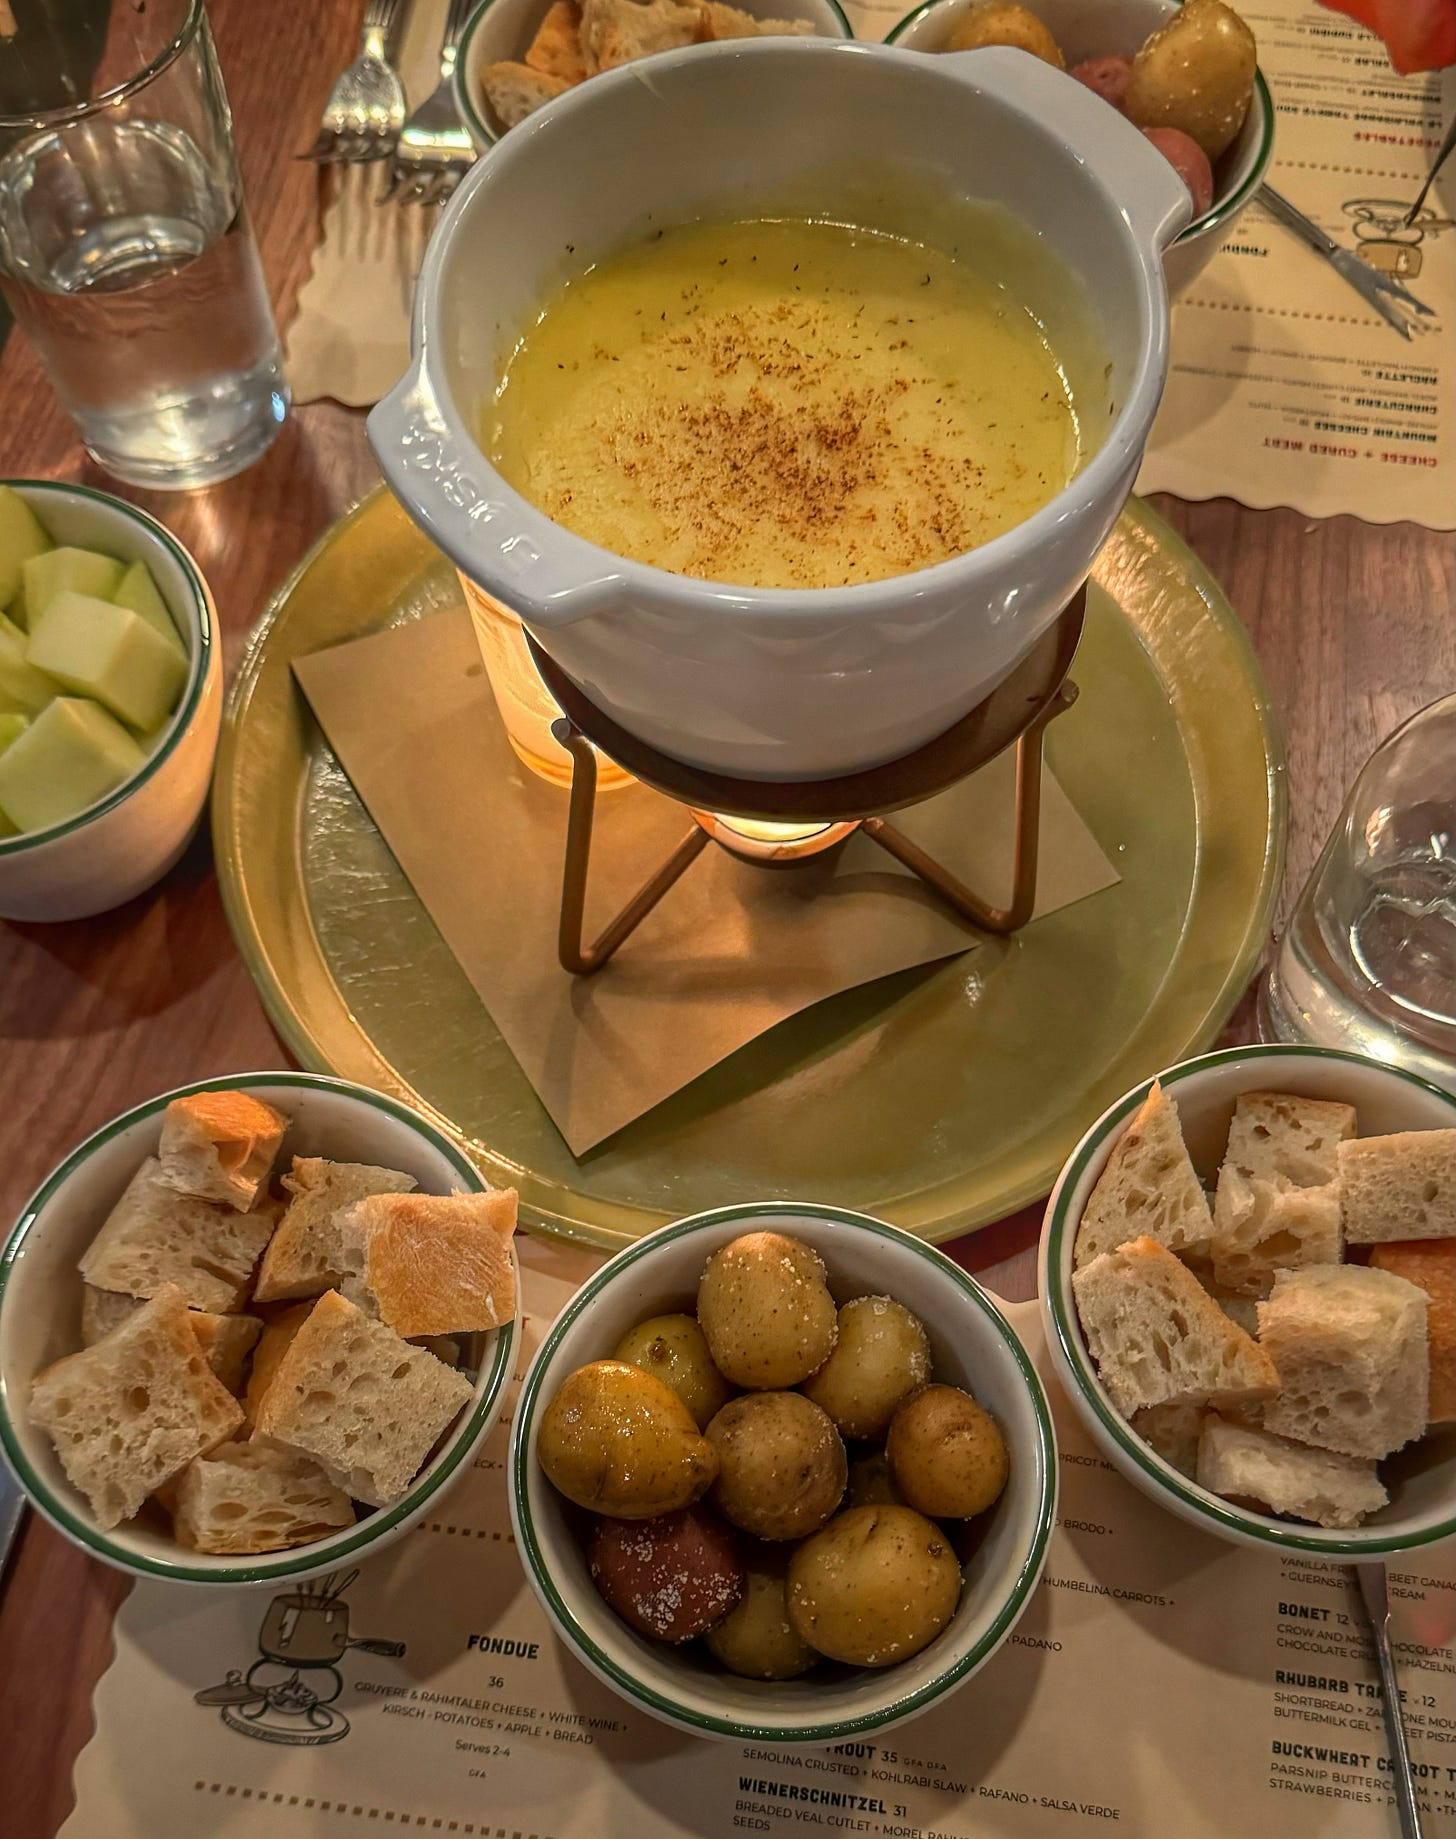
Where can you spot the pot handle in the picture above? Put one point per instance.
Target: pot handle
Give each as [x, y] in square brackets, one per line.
[542, 572]
[1155, 201]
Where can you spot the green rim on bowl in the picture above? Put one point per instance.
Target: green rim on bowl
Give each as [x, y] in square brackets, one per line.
[301, 1558]
[831, 1731]
[1069, 1335]
[463, 90]
[191, 696]
[1221, 207]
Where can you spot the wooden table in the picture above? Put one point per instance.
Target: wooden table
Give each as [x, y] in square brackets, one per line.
[1353, 623]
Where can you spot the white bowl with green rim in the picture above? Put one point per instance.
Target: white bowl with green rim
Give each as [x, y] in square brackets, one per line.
[40, 1312]
[1115, 28]
[126, 841]
[1422, 1478]
[972, 1346]
[501, 31]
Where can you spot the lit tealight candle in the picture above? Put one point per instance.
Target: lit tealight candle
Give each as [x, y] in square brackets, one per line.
[527, 708]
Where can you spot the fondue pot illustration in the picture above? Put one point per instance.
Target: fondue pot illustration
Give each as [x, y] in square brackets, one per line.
[795, 684]
[287, 1695]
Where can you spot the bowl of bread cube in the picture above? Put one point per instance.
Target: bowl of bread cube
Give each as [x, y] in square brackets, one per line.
[253, 1327]
[518, 55]
[110, 700]
[1248, 1278]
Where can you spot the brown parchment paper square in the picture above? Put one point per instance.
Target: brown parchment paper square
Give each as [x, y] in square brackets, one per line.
[732, 949]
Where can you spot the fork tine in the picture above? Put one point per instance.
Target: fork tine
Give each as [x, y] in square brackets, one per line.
[434, 187]
[391, 192]
[323, 142]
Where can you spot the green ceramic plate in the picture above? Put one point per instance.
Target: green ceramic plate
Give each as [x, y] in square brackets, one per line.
[939, 1100]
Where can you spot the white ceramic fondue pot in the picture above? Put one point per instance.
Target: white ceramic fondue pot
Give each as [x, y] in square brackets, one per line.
[806, 683]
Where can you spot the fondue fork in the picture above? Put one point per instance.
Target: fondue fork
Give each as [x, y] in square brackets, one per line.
[1375, 1596]
[1378, 290]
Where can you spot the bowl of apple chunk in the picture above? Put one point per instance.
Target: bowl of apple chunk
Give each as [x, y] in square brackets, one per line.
[110, 700]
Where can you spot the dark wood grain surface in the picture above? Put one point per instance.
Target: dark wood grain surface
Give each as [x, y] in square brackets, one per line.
[1354, 626]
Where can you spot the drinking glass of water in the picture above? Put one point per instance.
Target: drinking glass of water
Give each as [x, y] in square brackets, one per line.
[1369, 959]
[126, 253]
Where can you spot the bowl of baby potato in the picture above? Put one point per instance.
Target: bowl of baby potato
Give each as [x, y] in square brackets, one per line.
[1184, 71]
[782, 1473]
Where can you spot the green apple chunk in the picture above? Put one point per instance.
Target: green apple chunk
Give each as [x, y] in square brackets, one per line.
[108, 652]
[23, 689]
[21, 537]
[72, 754]
[81, 571]
[139, 592]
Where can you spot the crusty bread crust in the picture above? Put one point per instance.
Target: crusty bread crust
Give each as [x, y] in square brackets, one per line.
[1431, 1265]
[130, 1413]
[363, 1403]
[220, 1146]
[305, 1256]
[1148, 1189]
[432, 1264]
[273, 1343]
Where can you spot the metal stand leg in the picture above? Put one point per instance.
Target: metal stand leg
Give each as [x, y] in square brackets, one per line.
[576, 956]
[1027, 832]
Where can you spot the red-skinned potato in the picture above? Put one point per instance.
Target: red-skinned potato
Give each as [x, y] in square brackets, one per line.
[1189, 161]
[1108, 76]
[673, 1577]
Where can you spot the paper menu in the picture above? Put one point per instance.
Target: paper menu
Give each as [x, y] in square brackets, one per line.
[1284, 387]
[1161, 1684]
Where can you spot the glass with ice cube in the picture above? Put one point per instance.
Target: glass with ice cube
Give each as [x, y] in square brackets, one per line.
[1368, 961]
[126, 253]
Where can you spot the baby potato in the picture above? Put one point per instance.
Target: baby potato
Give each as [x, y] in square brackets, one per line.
[766, 1311]
[781, 1465]
[880, 1357]
[675, 1350]
[946, 1454]
[1195, 73]
[672, 1577]
[621, 1443]
[871, 1484]
[1108, 76]
[1002, 22]
[756, 1639]
[1188, 160]
[875, 1586]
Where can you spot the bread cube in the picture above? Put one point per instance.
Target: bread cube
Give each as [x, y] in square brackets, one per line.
[1158, 1337]
[432, 1264]
[1350, 1347]
[1173, 1431]
[1283, 1138]
[272, 1345]
[1286, 1477]
[131, 1412]
[1278, 1200]
[306, 1256]
[1430, 1264]
[225, 1340]
[253, 1497]
[1397, 1187]
[363, 1403]
[156, 1236]
[220, 1146]
[1148, 1189]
